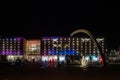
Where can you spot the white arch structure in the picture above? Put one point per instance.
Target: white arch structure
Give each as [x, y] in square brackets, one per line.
[94, 40]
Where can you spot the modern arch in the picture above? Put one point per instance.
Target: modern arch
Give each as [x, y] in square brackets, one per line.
[94, 40]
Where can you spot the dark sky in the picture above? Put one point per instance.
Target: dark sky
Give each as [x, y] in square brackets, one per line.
[61, 18]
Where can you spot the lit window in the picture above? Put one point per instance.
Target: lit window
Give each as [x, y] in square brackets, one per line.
[60, 38]
[90, 51]
[56, 51]
[81, 46]
[44, 51]
[98, 51]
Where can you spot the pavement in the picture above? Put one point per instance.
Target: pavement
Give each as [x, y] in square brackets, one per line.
[35, 72]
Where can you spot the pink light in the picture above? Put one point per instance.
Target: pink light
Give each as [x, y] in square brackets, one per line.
[100, 59]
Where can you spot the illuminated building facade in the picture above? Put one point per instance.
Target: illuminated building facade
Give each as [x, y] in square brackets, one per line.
[55, 49]
[33, 50]
[59, 47]
[13, 48]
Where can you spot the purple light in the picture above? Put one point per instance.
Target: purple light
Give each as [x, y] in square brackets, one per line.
[14, 52]
[18, 52]
[3, 52]
[18, 38]
[45, 38]
[8, 52]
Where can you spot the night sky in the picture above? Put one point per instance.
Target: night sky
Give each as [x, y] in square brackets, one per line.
[61, 18]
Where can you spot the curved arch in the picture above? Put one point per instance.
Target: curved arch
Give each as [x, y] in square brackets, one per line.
[94, 40]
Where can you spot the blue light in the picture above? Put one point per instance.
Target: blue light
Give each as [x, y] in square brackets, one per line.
[63, 52]
[55, 37]
[94, 58]
[7, 39]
